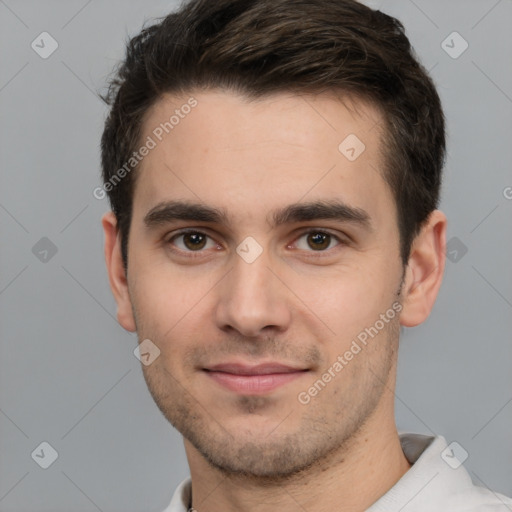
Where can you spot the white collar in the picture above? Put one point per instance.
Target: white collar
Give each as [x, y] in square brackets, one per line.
[429, 485]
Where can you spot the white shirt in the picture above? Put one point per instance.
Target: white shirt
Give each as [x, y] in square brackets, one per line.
[430, 485]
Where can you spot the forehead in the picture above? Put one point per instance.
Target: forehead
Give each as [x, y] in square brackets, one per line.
[253, 156]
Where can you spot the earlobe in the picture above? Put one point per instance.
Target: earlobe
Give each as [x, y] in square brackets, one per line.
[424, 272]
[116, 272]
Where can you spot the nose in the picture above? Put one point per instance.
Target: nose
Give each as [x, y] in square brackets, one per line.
[251, 299]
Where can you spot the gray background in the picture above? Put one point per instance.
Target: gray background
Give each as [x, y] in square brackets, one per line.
[68, 375]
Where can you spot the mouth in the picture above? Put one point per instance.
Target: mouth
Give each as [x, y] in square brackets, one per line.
[253, 380]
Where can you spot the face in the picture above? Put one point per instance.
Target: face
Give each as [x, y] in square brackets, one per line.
[260, 251]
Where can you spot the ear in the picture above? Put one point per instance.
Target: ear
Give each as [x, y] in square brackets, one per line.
[424, 272]
[116, 273]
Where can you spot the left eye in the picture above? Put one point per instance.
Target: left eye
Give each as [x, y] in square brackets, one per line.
[316, 240]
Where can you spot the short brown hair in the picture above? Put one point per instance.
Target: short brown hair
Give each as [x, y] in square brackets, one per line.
[259, 47]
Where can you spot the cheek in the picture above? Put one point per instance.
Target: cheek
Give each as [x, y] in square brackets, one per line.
[162, 298]
[349, 300]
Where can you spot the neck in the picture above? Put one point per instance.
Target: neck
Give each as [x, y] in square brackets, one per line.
[351, 480]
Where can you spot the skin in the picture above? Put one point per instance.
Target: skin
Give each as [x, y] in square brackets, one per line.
[295, 304]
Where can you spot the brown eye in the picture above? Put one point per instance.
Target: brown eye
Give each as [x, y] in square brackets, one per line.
[194, 241]
[191, 241]
[318, 241]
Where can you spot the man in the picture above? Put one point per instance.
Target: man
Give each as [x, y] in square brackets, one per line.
[274, 171]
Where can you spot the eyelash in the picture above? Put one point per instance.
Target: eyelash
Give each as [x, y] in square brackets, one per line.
[192, 254]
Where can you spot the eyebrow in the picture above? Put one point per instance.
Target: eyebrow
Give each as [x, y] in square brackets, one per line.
[169, 211]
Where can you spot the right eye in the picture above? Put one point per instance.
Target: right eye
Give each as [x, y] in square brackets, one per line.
[191, 241]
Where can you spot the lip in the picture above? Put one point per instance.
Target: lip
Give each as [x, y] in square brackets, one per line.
[259, 369]
[253, 380]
